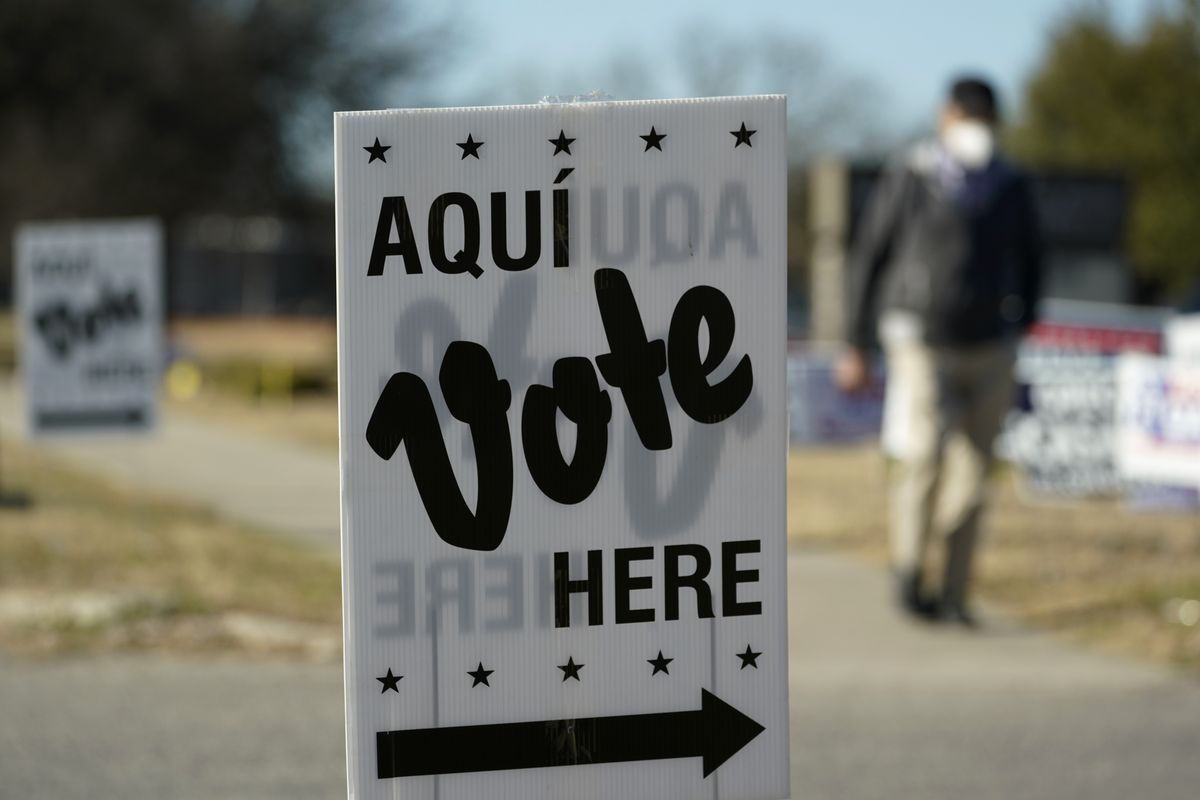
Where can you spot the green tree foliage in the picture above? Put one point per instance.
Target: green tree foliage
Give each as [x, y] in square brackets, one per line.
[1130, 104]
[167, 107]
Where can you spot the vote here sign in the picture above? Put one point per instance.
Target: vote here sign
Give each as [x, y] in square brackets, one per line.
[89, 300]
[561, 348]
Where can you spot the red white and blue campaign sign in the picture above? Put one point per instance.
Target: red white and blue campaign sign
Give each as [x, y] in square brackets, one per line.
[89, 300]
[1063, 433]
[563, 444]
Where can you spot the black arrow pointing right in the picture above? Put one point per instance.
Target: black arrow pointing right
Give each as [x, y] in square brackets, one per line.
[714, 733]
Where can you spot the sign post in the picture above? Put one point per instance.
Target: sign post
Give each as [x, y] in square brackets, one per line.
[561, 338]
[89, 298]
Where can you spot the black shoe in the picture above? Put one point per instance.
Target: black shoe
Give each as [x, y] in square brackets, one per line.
[912, 601]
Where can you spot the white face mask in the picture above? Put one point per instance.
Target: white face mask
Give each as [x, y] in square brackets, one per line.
[969, 142]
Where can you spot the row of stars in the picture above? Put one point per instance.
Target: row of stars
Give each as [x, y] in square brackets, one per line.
[562, 143]
[480, 675]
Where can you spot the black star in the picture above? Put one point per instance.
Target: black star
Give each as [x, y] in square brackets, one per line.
[390, 682]
[470, 147]
[480, 675]
[749, 658]
[562, 144]
[377, 151]
[660, 664]
[653, 139]
[571, 669]
[743, 137]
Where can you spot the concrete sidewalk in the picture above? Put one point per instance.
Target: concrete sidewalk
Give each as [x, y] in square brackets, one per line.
[265, 482]
[151, 728]
[885, 708]
[880, 709]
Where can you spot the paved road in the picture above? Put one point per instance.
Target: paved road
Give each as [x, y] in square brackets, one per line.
[263, 481]
[898, 711]
[880, 709]
[137, 728]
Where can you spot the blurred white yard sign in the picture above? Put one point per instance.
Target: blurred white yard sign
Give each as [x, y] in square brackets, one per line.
[561, 365]
[1182, 334]
[1158, 419]
[89, 299]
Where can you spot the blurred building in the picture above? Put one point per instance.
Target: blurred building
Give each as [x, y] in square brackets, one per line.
[1083, 218]
[226, 265]
[222, 265]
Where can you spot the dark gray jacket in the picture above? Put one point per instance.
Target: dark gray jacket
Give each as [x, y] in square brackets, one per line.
[960, 251]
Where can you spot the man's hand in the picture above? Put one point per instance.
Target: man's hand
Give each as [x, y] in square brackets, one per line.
[850, 371]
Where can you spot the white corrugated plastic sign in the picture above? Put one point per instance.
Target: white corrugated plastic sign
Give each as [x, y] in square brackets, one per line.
[561, 344]
[89, 300]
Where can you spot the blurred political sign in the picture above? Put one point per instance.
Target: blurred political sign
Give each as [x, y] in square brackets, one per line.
[1158, 420]
[1182, 335]
[1062, 435]
[819, 412]
[562, 410]
[89, 308]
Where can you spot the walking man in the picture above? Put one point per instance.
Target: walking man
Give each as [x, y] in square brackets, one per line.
[948, 251]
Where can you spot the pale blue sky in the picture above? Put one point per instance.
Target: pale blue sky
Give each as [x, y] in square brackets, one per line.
[906, 48]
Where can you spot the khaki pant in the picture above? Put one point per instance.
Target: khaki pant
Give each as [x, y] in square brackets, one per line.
[953, 403]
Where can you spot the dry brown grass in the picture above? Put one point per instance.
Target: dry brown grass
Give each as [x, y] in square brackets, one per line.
[1090, 570]
[90, 567]
[295, 340]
